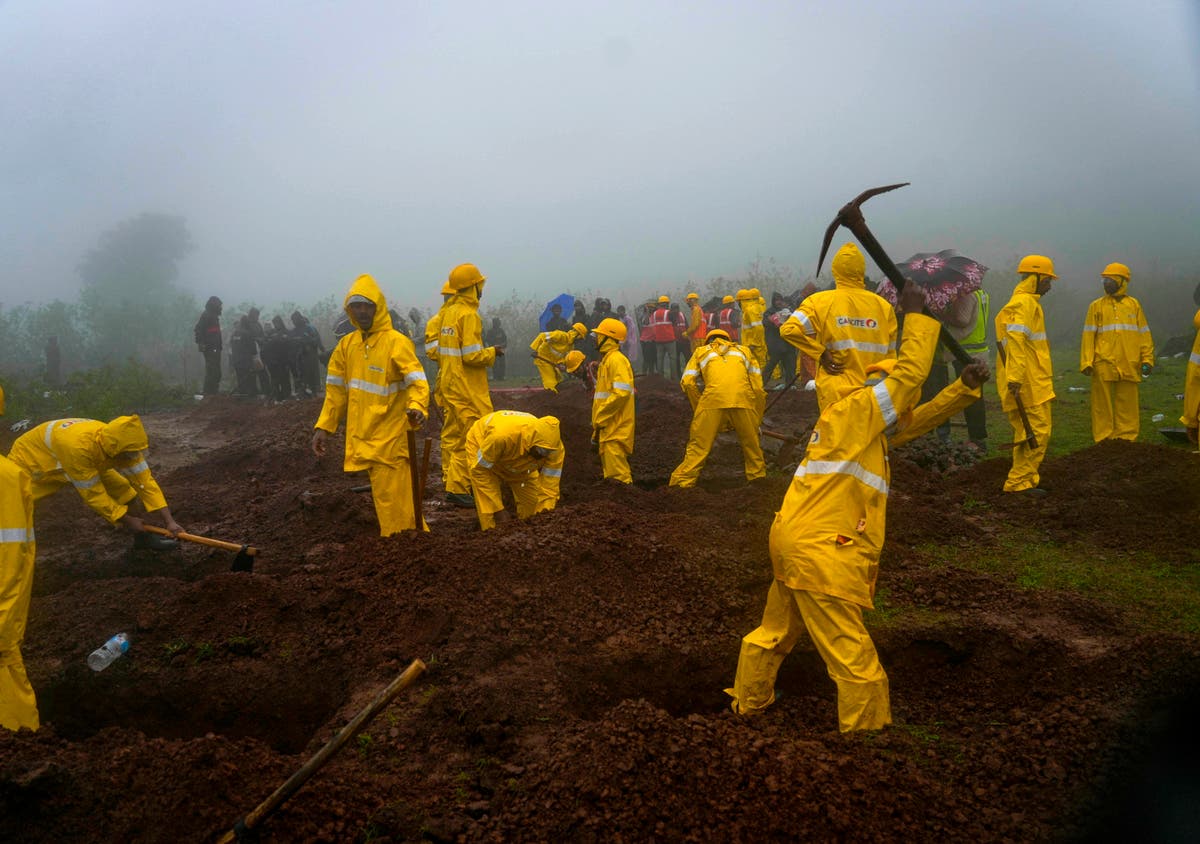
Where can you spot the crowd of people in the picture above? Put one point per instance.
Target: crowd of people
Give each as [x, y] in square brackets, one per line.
[874, 367]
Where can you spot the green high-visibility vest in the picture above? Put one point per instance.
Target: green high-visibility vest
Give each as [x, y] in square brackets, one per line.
[975, 343]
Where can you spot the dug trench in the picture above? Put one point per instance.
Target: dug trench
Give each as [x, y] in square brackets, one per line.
[578, 661]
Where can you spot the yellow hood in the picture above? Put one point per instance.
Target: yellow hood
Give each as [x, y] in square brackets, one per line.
[849, 267]
[365, 285]
[545, 434]
[1026, 285]
[125, 433]
[467, 296]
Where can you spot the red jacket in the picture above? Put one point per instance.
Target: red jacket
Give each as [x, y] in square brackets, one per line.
[727, 323]
[664, 332]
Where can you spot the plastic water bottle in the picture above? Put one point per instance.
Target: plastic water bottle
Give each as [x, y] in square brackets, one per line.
[1158, 417]
[104, 655]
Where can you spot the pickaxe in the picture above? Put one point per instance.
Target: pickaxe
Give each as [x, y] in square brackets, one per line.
[851, 217]
[1030, 440]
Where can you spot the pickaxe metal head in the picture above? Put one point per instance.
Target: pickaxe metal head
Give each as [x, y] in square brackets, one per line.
[851, 217]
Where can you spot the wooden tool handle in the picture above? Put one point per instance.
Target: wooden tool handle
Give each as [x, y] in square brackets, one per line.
[201, 540]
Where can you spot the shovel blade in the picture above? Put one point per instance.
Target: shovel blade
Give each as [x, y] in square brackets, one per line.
[244, 561]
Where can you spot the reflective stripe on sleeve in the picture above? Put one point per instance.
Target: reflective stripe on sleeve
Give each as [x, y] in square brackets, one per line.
[449, 351]
[804, 321]
[843, 467]
[335, 380]
[136, 468]
[413, 377]
[752, 324]
[479, 458]
[375, 389]
[85, 484]
[884, 399]
[692, 372]
[621, 385]
[471, 349]
[16, 535]
[601, 394]
[1194, 358]
[552, 473]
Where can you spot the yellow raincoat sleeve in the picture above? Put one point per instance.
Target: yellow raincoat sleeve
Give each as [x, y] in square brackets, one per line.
[412, 375]
[16, 554]
[551, 478]
[689, 383]
[606, 410]
[1087, 343]
[932, 413]
[107, 491]
[800, 329]
[333, 411]
[134, 472]
[756, 382]
[1015, 337]
[474, 353]
[433, 332]
[538, 340]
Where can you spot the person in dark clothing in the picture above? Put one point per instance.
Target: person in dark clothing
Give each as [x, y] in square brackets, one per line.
[309, 352]
[779, 351]
[208, 339]
[557, 321]
[644, 314]
[260, 337]
[279, 354]
[683, 346]
[495, 336]
[53, 362]
[580, 314]
[243, 349]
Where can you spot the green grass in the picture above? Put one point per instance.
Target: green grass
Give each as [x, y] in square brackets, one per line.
[1154, 595]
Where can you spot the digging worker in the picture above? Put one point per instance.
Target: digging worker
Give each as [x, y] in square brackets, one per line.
[724, 384]
[612, 404]
[1117, 352]
[376, 384]
[845, 329]
[18, 704]
[1191, 388]
[521, 451]
[1024, 372]
[697, 324]
[462, 379]
[826, 539]
[106, 463]
[549, 350]
[753, 335]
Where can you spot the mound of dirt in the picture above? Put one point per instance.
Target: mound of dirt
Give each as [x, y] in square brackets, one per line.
[576, 661]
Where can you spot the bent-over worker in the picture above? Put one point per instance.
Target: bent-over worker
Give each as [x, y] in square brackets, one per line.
[550, 348]
[18, 703]
[376, 384]
[518, 449]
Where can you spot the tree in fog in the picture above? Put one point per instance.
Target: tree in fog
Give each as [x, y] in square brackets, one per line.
[130, 304]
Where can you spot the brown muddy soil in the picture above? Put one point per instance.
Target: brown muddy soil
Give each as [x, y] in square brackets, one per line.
[577, 660]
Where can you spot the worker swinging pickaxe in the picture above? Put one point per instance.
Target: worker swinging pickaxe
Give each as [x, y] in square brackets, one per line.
[851, 217]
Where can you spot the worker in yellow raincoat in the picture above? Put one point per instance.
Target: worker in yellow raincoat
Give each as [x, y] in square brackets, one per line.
[523, 451]
[1191, 388]
[845, 329]
[463, 378]
[1117, 352]
[18, 704]
[433, 331]
[106, 463]
[550, 348]
[724, 384]
[827, 537]
[753, 335]
[612, 404]
[1024, 370]
[697, 325]
[377, 385]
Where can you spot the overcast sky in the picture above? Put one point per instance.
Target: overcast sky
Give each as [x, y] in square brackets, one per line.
[605, 146]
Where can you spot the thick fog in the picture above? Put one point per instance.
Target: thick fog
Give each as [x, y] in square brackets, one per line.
[616, 146]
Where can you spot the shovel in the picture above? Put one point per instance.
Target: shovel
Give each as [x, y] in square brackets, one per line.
[244, 561]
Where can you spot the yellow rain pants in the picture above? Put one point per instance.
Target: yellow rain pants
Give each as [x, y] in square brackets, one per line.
[391, 490]
[836, 628]
[706, 424]
[1115, 411]
[18, 704]
[1026, 460]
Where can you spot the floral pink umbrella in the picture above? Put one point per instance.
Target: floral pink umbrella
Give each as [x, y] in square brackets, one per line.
[944, 275]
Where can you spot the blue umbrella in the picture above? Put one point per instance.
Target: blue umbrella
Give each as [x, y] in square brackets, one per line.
[566, 301]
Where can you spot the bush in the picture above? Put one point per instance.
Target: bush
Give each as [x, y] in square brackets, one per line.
[101, 393]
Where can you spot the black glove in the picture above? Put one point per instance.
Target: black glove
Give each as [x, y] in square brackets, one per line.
[595, 440]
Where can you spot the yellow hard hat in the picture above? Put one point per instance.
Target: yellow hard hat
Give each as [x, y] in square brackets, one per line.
[664, 300]
[573, 359]
[744, 294]
[718, 333]
[755, 292]
[613, 328]
[1039, 264]
[464, 276]
[1116, 271]
[728, 300]
[691, 296]
[580, 329]
[447, 290]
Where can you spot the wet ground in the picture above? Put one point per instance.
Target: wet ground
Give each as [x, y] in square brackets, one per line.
[577, 660]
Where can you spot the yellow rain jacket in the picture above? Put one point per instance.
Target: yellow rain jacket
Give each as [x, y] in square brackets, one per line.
[1021, 332]
[730, 377]
[1191, 383]
[18, 704]
[829, 533]
[612, 405]
[102, 460]
[463, 357]
[550, 349]
[1116, 339]
[498, 445]
[372, 380]
[697, 326]
[856, 326]
[753, 336]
